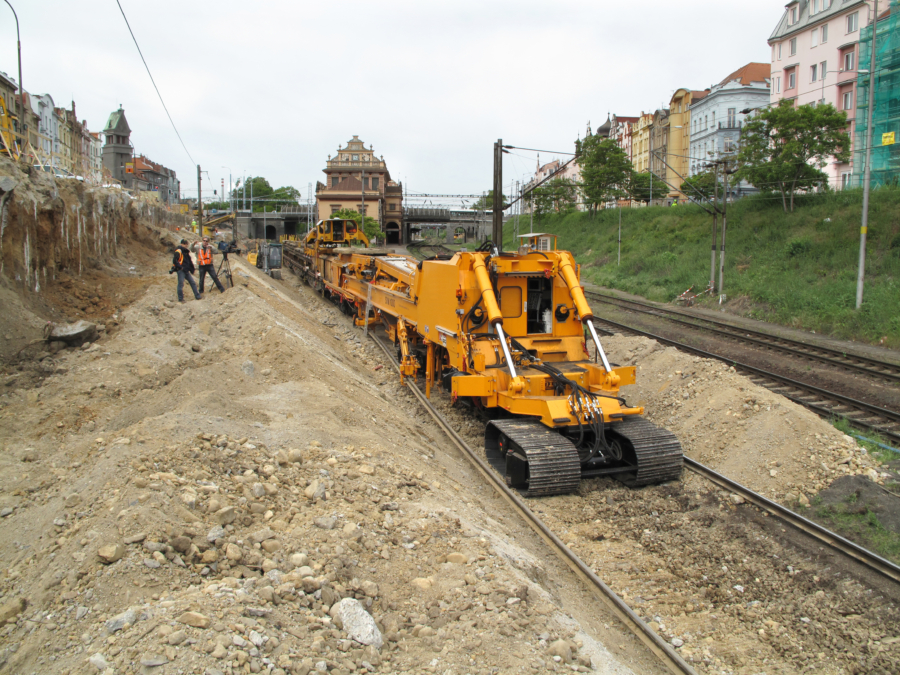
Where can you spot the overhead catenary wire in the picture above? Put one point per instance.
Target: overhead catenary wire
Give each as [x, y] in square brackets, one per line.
[154, 82]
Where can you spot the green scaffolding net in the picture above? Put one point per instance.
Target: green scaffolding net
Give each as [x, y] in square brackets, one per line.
[886, 111]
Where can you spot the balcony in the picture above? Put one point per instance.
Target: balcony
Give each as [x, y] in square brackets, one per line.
[846, 76]
[732, 124]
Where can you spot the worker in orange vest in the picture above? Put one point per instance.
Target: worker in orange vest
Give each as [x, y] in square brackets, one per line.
[205, 263]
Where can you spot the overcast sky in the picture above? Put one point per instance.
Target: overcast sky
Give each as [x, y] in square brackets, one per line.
[272, 87]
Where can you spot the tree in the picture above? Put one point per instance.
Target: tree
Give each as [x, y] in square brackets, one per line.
[701, 186]
[371, 229]
[784, 147]
[640, 187]
[486, 203]
[605, 171]
[555, 196]
[264, 195]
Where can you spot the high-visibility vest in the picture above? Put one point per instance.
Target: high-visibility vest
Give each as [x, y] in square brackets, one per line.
[204, 256]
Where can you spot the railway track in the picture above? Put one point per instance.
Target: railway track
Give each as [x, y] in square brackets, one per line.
[863, 365]
[668, 656]
[860, 415]
[663, 650]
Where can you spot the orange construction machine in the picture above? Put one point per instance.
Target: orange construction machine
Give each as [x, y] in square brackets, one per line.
[504, 332]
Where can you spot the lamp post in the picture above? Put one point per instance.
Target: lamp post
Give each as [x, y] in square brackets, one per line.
[21, 88]
[230, 202]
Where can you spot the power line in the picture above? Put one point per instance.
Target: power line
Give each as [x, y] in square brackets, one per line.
[153, 81]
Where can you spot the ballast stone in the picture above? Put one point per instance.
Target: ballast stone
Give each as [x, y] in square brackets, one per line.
[358, 623]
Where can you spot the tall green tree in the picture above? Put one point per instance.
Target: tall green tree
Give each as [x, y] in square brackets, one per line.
[640, 187]
[701, 186]
[558, 195]
[264, 195]
[605, 171]
[486, 203]
[371, 229]
[784, 148]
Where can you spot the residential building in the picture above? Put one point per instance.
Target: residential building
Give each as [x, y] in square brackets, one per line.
[621, 129]
[96, 157]
[9, 91]
[48, 128]
[640, 143]
[158, 179]
[716, 119]
[659, 152]
[886, 113]
[815, 59]
[678, 152]
[355, 172]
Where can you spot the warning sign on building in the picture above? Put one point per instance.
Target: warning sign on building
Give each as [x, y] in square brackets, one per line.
[888, 138]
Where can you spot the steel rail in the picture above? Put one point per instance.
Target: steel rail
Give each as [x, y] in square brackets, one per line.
[835, 541]
[882, 369]
[661, 649]
[889, 416]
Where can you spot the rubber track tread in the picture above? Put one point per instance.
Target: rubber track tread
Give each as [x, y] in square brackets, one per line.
[553, 464]
[659, 454]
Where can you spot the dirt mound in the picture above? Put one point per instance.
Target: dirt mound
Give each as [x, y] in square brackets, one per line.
[736, 427]
[207, 487]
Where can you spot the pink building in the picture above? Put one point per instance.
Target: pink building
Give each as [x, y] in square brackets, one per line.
[620, 132]
[815, 60]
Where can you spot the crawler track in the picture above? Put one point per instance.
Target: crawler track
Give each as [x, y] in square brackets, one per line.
[862, 365]
[860, 415]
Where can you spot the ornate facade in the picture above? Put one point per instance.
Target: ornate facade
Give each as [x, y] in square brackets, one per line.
[355, 175]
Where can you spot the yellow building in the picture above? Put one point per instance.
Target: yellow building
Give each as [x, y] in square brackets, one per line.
[353, 172]
[679, 149]
[640, 143]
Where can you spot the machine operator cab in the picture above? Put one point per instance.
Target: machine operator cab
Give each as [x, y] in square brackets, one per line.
[536, 241]
[337, 232]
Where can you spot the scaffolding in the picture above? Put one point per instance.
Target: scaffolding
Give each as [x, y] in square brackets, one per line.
[886, 113]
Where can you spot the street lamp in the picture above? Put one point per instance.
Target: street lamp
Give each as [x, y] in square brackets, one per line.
[21, 88]
[230, 200]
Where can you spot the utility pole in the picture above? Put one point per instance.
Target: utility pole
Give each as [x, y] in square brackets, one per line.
[715, 231]
[497, 230]
[867, 179]
[724, 226]
[619, 259]
[199, 205]
[362, 224]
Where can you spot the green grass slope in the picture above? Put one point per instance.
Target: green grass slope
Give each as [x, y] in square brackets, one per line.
[797, 269]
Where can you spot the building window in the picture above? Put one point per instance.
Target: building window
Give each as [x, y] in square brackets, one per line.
[814, 7]
[729, 145]
[853, 22]
[335, 208]
[823, 70]
[777, 85]
[825, 33]
[814, 37]
[732, 117]
[813, 73]
[793, 45]
[334, 181]
[845, 179]
[850, 60]
[374, 183]
[779, 51]
[792, 79]
[714, 119]
[848, 100]
[793, 16]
